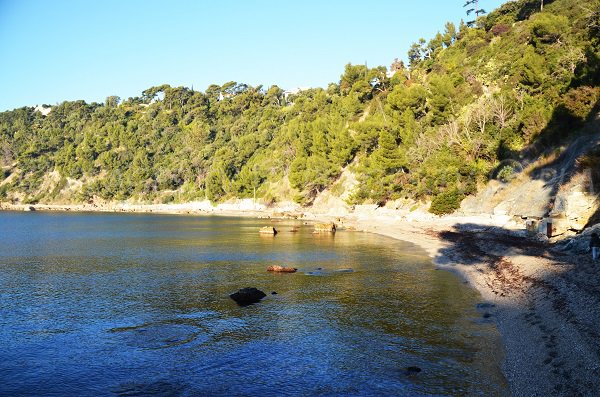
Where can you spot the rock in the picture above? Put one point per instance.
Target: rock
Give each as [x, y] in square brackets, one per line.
[325, 228]
[247, 296]
[281, 269]
[412, 370]
[273, 293]
[268, 230]
[344, 270]
[29, 208]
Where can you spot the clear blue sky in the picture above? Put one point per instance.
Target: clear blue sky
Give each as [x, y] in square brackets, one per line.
[58, 50]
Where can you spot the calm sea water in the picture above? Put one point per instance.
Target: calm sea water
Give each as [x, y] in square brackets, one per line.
[134, 305]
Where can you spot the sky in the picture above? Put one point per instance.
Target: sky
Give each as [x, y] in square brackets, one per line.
[51, 51]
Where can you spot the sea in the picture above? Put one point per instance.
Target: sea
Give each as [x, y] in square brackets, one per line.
[106, 304]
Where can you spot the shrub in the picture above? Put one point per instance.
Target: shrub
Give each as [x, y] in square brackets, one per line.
[580, 101]
[4, 191]
[506, 173]
[500, 29]
[548, 28]
[446, 202]
[169, 198]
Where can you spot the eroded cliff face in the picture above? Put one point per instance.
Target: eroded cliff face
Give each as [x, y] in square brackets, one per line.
[559, 188]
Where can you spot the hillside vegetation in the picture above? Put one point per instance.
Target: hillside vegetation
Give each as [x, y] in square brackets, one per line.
[519, 83]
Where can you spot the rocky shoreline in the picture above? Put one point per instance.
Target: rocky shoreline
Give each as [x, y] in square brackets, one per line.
[544, 300]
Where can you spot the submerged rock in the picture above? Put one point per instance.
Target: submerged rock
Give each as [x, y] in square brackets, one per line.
[268, 230]
[485, 305]
[281, 269]
[325, 228]
[247, 296]
[411, 371]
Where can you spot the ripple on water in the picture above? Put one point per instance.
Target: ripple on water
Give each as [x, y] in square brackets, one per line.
[157, 388]
[162, 334]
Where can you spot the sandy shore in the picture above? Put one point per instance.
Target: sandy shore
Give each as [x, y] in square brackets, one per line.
[545, 302]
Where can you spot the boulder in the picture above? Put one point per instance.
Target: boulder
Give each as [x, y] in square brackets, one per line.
[29, 208]
[281, 269]
[325, 227]
[411, 371]
[268, 230]
[247, 296]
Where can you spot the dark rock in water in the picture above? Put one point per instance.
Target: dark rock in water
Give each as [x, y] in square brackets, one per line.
[319, 268]
[412, 370]
[247, 296]
[344, 271]
[273, 293]
[487, 315]
[485, 305]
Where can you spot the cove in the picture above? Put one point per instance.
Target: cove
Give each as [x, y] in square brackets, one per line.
[126, 304]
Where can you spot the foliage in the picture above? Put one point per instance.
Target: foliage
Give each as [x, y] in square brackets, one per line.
[446, 202]
[470, 98]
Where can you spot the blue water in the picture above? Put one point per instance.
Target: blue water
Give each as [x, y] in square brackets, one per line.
[134, 305]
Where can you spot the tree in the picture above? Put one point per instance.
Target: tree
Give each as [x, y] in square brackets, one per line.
[352, 75]
[112, 101]
[474, 4]
[449, 34]
[388, 157]
[416, 52]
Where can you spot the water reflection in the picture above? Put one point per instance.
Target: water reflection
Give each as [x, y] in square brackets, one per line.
[102, 303]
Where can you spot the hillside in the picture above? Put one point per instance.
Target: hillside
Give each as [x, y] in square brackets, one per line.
[474, 105]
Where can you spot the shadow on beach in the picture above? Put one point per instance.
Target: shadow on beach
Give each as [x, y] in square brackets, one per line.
[546, 300]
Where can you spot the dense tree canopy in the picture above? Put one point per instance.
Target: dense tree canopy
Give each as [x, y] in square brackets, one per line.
[470, 98]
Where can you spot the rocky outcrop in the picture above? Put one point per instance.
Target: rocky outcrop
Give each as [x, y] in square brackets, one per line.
[325, 228]
[554, 196]
[268, 230]
[281, 269]
[247, 296]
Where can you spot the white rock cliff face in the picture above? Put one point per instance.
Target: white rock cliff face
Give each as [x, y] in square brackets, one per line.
[559, 193]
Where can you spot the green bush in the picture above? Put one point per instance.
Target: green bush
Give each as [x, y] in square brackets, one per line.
[446, 202]
[548, 28]
[506, 173]
[169, 198]
[4, 191]
[580, 101]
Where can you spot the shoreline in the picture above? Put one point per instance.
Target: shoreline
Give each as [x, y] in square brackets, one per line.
[543, 301]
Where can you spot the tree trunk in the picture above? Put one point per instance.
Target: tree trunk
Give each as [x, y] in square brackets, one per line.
[541, 5]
